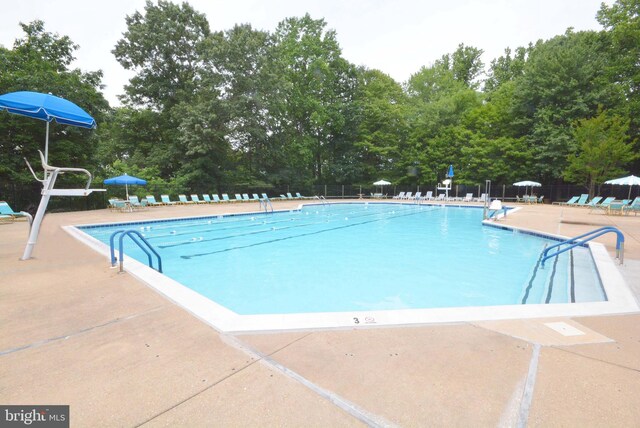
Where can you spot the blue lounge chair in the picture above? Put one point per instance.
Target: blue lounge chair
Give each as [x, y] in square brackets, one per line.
[207, 198]
[135, 203]
[593, 202]
[289, 196]
[165, 200]
[582, 201]
[255, 197]
[119, 205]
[569, 202]
[299, 196]
[245, 197]
[238, 197]
[215, 197]
[604, 205]
[8, 214]
[633, 207]
[265, 197]
[196, 199]
[617, 207]
[151, 201]
[225, 198]
[183, 200]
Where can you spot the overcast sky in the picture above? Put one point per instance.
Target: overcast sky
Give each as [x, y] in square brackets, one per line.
[394, 36]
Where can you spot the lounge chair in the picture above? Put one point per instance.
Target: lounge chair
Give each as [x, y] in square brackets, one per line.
[399, 196]
[119, 205]
[481, 198]
[289, 196]
[468, 198]
[594, 201]
[440, 197]
[633, 207]
[245, 197]
[616, 207]
[265, 197]
[196, 199]
[604, 205]
[428, 196]
[165, 200]
[407, 195]
[238, 198]
[183, 200]
[299, 196]
[569, 202]
[151, 201]
[135, 203]
[540, 199]
[225, 198]
[255, 197]
[582, 201]
[417, 196]
[216, 198]
[207, 198]
[10, 215]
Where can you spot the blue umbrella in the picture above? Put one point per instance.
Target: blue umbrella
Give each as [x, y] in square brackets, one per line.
[125, 180]
[46, 107]
[450, 173]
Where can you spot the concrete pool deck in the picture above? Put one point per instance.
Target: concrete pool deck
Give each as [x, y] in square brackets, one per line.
[74, 331]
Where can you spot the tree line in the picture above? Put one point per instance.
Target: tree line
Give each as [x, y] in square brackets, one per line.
[244, 108]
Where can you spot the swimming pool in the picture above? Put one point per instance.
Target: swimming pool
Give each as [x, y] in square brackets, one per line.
[361, 262]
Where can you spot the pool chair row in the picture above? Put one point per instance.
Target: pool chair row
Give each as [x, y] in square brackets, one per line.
[441, 197]
[624, 207]
[128, 205]
[530, 199]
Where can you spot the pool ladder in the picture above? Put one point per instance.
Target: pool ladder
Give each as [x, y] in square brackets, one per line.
[578, 241]
[322, 199]
[140, 242]
[266, 203]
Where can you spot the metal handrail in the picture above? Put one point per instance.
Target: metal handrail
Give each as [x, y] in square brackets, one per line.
[575, 242]
[264, 202]
[134, 235]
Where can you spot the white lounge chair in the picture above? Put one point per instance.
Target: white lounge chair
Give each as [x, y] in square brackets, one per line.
[399, 196]
[468, 198]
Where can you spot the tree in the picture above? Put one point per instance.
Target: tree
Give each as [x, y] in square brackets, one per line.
[603, 150]
[564, 80]
[163, 47]
[316, 88]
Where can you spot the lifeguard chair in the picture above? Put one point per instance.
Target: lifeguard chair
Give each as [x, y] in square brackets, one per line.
[446, 186]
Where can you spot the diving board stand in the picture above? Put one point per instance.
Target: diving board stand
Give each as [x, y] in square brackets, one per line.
[51, 174]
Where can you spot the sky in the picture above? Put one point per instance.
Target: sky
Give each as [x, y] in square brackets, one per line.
[397, 37]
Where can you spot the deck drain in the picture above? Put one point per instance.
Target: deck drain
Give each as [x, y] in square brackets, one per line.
[564, 329]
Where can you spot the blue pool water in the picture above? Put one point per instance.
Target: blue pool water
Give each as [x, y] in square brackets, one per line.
[354, 257]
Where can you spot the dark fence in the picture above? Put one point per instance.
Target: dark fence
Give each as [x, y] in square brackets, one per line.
[24, 197]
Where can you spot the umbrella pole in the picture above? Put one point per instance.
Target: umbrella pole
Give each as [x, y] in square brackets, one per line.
[46, 145]
[126, 189]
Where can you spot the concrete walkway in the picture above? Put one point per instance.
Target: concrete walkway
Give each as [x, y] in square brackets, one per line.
[73, 331]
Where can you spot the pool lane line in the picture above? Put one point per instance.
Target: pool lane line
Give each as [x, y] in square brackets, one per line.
[205, 228]
[297, 236]
[170, 244]
[289, 220]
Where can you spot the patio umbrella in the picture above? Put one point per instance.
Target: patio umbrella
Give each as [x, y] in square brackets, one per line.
[526, 184]
[450, 172]
[46, 107]
[125, 180]
[381, 183]
[630, 181]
